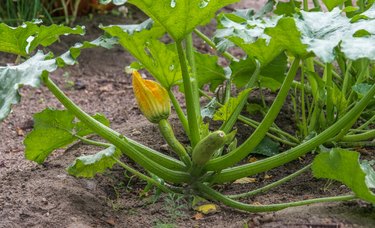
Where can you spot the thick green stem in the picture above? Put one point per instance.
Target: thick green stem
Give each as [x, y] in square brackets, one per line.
[272, 185]
[248, 146]
[214, 195]
[115, 138]
[347, 79]
[303, 105]
[179, 112]
[193, 114]
[291, 154]
[143, 177]
[329, 88]
[227, 125]
[334, 73]
[255, 124]
[168, 134]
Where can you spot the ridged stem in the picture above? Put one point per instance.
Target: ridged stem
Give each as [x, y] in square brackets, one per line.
[291, 154]
[259, 133]
[115, 138]
[168, 134]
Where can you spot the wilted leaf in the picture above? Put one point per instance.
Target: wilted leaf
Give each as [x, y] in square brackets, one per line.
[89, 165]
[56, 128]
[344, 166]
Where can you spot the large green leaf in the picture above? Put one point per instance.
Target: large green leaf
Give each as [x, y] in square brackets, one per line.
[89, 165]
[242, 24]
[266, 50]
[14, 77]
[159, 59]
[180, 17]
[208, 70]
[29, 72]
[344, 166]
[54, 129]
[22, 40]
[322, 32]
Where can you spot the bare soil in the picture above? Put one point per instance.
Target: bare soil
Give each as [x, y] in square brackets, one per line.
[45, 195]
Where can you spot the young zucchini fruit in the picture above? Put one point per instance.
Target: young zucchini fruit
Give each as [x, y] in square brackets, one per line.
[207, 147]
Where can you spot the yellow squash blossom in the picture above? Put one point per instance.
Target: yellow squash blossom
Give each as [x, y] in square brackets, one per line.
[152, 98]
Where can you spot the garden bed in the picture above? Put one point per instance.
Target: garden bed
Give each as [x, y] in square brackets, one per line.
[46, 196]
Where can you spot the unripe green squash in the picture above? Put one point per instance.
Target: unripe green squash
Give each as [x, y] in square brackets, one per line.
[208, 146]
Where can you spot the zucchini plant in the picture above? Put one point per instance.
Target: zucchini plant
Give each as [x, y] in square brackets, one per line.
[322, 60]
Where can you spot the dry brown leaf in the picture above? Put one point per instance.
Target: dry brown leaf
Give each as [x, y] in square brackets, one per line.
[245, 180]
[252, 159]
[198, 216]
[20, 132]
[266, 176]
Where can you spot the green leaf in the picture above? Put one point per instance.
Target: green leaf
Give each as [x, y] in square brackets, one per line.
[361, 89]
[276, 41]
[332, 3]
[287, 8]
[244, 25]
[159, 59]
[209, 109]
[89, 165]
[339, 100]
[180, 17]
[81, 129]
[208, 70]
[23, 39]
[70, 57]
[322, 32]
[52, 130]
[344, 166]
[226, 111]
[272, 75]
[14, 77]
[267, 147]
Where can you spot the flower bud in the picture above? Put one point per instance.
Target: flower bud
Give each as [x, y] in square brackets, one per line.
[152, 98]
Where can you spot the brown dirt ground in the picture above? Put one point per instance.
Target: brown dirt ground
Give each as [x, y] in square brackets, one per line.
[45, 195]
